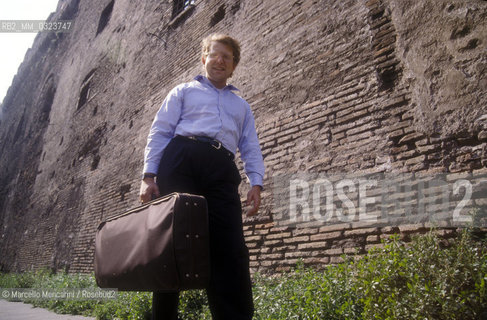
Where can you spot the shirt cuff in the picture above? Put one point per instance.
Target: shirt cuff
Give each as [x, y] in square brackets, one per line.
[150, 168]
[255, 179]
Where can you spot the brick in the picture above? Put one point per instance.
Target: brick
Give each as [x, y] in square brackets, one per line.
[253, 238]
[297, 254]
[372, 239]
[326, 236]
[316, 261]
[428, 148]
[412, 228]
[335, 227]
[296, 239]
[264, 250]
[336, 260]
[354, 250]
[361, 232]
[305, 231]
[349, 98]
[267, 263]
[273, 256]
[263, 226]
[284, 248]
[417, 160]
[261, 231]
[281, 235]
[411, 137]
[313, 245]
[332, 252]
[290, 262]
[272, 243]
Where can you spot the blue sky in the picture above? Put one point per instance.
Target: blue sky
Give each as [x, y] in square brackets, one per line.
[13, 46]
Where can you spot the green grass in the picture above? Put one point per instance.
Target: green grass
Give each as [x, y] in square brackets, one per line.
[418, 280]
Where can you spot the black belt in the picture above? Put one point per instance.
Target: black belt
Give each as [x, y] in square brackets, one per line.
[212, 142]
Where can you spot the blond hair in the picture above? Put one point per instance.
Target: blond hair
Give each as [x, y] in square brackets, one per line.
[224, 39]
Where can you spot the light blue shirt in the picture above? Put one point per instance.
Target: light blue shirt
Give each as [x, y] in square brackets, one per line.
[198, 108]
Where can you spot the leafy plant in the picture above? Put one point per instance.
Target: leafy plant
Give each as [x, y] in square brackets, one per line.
[193, 305]
[424, 279]
[307, 294]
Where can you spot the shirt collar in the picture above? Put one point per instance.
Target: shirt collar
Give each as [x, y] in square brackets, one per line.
[203, 79]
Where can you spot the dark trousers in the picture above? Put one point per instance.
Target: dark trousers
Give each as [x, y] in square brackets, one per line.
[199, 168]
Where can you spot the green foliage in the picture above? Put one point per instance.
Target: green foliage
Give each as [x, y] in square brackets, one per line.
[417, 280]
[129, 305]
[21, 280]
[422, 280]
[307, 294]
[45, 279]
[193, 305]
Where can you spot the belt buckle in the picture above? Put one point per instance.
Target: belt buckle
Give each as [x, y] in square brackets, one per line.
[218, 146]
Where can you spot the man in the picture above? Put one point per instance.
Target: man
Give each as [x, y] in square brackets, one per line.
[191, 148]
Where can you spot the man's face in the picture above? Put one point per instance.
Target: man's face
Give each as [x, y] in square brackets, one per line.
[219, 63]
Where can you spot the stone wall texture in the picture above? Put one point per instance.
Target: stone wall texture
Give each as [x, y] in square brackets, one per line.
[387, 86]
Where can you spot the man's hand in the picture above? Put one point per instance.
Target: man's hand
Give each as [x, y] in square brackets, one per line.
[253, 198]
[148, 187]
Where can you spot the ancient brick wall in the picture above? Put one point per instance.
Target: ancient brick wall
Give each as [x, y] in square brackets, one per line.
[335, 86]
